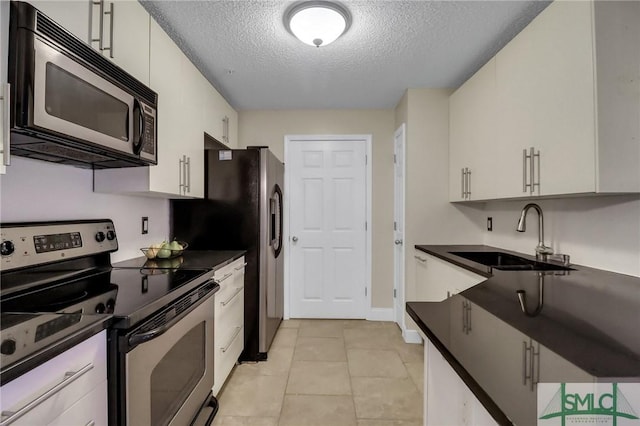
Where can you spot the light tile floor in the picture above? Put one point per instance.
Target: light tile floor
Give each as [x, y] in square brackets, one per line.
[328, 373]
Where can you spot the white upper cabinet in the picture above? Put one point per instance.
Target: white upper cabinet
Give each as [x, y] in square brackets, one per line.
[219, 119]
[121, 33]
[180, 169]
[472, 110]
[75, 16]
[567, 108]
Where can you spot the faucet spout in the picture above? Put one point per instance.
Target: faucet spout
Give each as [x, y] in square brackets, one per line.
[542, 251]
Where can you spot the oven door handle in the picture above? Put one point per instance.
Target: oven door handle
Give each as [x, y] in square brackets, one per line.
[138, 338]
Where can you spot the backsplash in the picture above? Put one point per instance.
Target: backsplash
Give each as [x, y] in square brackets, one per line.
[602, 232]
[40, 191]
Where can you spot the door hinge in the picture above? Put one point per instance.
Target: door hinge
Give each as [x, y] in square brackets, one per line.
[366, 159]
[365, 226]
[395, 159]
[395, 226]
[365, 291]
[395, 293]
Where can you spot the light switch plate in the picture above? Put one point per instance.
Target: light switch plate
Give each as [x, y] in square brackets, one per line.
[145, 225]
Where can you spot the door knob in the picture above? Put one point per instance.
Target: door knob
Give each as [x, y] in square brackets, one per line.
[294, 239]
[398, 242]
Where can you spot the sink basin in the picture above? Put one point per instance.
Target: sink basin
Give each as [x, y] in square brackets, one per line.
[508, 262]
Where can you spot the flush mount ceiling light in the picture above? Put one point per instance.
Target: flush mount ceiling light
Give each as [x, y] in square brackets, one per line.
[317, 23]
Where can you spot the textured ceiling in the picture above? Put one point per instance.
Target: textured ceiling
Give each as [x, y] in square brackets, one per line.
[243, 48]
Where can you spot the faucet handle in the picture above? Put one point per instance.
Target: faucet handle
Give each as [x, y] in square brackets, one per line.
[564, 258]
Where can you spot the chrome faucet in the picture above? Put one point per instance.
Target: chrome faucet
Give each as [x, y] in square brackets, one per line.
[542, 251]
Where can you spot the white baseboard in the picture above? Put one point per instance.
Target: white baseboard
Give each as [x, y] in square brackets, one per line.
[380, 314]
[411, 336]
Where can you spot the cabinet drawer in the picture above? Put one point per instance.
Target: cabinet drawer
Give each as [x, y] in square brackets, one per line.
[226, 354]
[90, 410]
[229, 306]
[67, 378]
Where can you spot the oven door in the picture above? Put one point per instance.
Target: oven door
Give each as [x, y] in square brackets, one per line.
[168, 377]
[71, 99]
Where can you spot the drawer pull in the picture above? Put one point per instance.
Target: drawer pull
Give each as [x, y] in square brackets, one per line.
[241, 267]
[226, 348]
[226, 302]
[225, 277]
[9, 417]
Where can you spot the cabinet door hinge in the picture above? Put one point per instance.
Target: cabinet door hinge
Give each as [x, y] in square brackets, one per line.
[366, 159]
[395, 159]
[365, 291]
[365, 226]
[395, 293]
[395, 225]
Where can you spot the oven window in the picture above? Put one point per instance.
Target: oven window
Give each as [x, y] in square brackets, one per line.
[73, 99]
[177, 374]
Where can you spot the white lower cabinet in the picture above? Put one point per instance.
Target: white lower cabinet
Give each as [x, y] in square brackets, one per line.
[436, 279]
[229, 321]
[70, 384]
[448, 400]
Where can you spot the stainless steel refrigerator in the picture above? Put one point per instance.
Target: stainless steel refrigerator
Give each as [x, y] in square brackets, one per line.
[243, 210]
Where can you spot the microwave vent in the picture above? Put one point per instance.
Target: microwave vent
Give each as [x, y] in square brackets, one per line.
[53, 31]
[63, 152]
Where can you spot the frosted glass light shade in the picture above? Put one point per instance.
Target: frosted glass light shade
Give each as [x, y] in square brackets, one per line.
[317, 23]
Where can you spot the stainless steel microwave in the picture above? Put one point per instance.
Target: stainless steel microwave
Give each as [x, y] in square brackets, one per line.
[71, 105]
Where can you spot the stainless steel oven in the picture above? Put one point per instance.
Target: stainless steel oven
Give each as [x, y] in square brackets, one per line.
[169, 363]
[72, 105]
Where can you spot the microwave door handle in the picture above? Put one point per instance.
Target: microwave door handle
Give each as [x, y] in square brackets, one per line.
[138, 137]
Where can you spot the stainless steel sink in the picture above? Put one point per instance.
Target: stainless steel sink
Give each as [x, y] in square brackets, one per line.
[508, 262]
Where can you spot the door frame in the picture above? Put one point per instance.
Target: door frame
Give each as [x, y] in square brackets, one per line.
[400, 286]
[288, 141]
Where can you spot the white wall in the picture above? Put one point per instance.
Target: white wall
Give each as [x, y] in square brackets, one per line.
[37, 190]
[602, 232]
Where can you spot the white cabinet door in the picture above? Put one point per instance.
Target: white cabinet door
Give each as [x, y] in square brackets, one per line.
[125, 36]
[74, 16]
[472, 110]
[191, 142]
[219, 119]
[545, 83]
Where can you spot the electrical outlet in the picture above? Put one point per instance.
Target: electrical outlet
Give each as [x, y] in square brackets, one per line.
[489, 224]
[145, 225]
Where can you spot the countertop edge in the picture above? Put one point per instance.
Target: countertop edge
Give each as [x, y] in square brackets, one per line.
[487, 402]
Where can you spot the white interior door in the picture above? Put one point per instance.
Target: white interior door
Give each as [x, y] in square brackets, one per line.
[398, 225]
[327, 236]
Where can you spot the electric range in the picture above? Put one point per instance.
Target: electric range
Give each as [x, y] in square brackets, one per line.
[58, 288]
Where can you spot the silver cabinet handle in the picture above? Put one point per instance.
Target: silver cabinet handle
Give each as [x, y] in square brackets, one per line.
[9, 417]
[226, 348]
[468, 183]
[294, 239]
[462, 179]
[398, 242]
[241, 267]
[6, 121]
[525, 185]
[188, 173]
[110, 13]
[226, 302]
[420, 259]
[181, 174]
[531, 170]
[225, 277]
[525, 350]
[101, 29]
[533, 176]
[225, 129]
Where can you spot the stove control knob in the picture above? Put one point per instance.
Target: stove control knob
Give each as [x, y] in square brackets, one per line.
[111, 304]
[8, 347]
[100, 308]
[111, 235]
[7, 248]
[100, 236]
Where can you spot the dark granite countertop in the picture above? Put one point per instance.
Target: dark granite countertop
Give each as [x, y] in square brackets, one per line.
[586, 330]
[191, 259]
